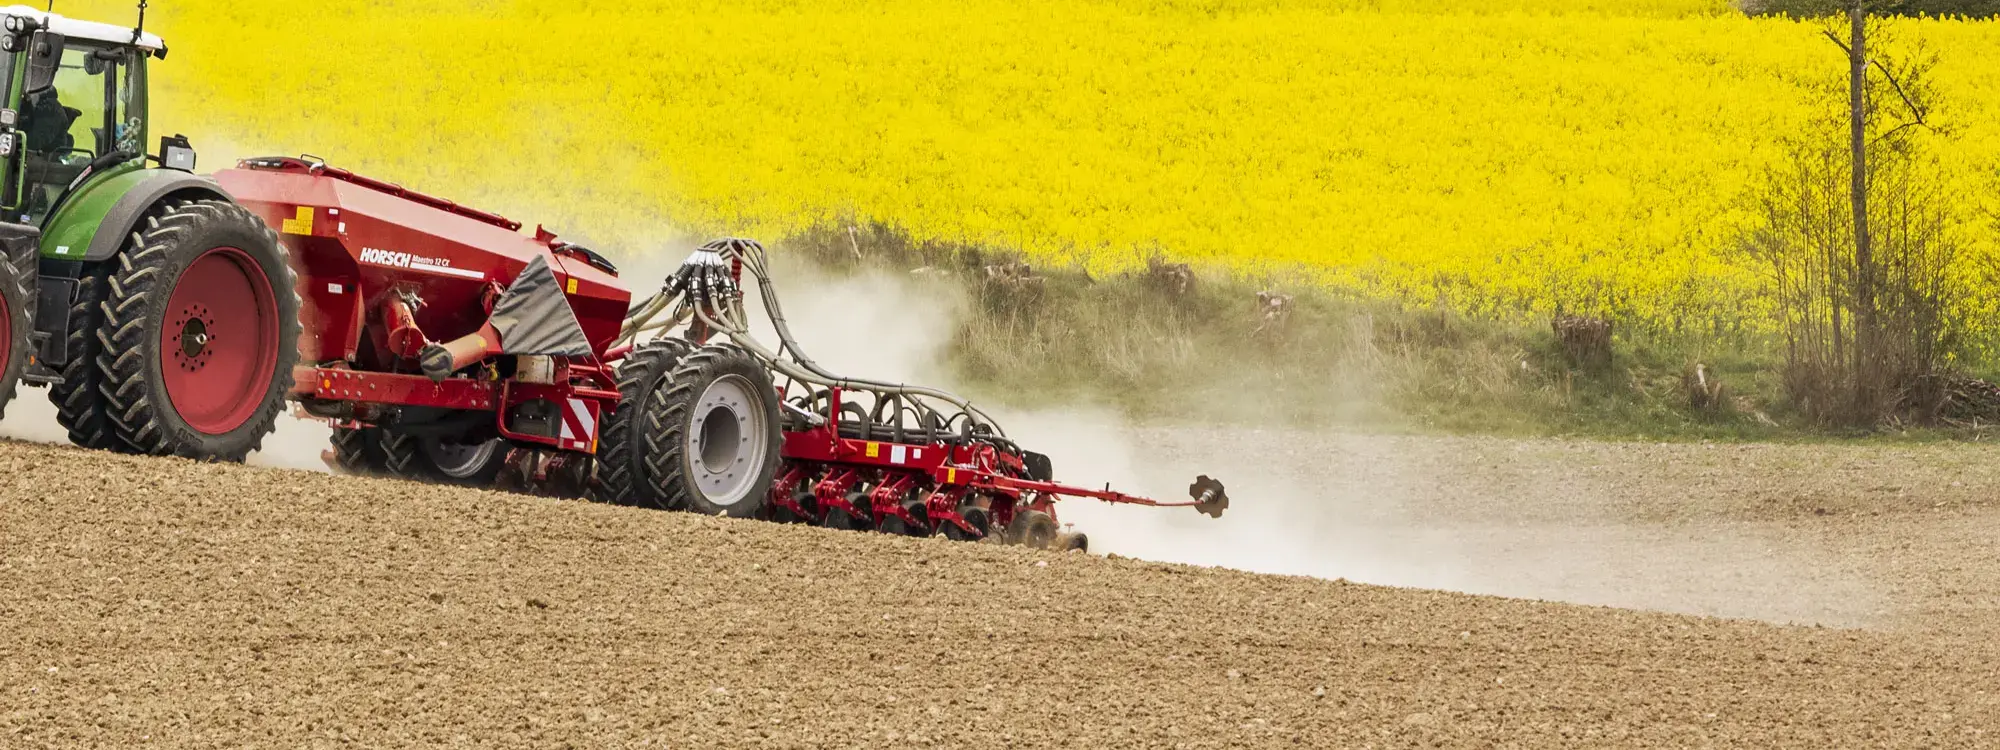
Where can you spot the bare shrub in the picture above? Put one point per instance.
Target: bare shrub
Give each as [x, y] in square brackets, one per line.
[1836, 368]
[1865, 316]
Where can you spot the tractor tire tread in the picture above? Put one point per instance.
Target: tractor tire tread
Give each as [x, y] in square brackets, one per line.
[667, 419]
[81, 409]
[405, 456]
[402, 456]
[620, 466]
[140, 274]
[358, 451]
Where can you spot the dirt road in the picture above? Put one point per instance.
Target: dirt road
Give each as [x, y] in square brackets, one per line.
[150, 602]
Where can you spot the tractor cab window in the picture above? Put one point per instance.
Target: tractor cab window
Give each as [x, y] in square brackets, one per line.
[92, 110]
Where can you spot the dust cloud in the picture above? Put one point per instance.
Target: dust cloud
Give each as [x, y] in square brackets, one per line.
[1331, 505]
[32, 417]
[296, 444]
[1370, 509]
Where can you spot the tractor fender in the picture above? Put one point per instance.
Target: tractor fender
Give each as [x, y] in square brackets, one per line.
[101, 214]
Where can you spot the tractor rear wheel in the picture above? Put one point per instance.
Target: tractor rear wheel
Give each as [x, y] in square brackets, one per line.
[712, 437]
[433, 459]
[358, 451]
[79, 399]
[201, 330]
[620, 470]
[17, 317]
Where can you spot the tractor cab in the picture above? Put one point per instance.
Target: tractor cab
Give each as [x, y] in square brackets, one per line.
[75, 105]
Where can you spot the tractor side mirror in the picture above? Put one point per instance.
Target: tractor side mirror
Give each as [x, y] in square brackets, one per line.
[45, 55]
[45, 51]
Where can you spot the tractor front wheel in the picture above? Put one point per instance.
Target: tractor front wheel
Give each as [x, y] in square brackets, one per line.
[201, 330]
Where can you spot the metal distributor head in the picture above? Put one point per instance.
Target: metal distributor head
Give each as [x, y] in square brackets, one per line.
[1208, 496]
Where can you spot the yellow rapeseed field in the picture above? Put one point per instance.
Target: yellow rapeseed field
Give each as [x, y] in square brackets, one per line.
[1504, 157]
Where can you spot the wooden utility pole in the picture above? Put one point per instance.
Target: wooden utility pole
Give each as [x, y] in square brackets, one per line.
[1864, 251]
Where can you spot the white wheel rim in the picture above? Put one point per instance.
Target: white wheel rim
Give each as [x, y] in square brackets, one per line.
[727, 440]
[457, 460]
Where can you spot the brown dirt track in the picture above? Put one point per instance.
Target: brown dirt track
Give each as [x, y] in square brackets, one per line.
[149, 602]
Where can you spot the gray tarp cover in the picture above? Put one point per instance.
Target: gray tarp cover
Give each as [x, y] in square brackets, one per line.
[533, 316]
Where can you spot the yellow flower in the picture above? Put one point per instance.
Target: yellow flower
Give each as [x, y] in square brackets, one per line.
[1505, 157]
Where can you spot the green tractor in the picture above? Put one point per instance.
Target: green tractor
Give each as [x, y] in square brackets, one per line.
[161, 315]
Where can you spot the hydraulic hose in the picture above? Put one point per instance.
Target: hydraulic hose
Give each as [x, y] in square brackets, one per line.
[707, 297]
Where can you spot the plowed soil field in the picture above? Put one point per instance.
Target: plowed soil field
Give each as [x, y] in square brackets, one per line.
[1766, 596]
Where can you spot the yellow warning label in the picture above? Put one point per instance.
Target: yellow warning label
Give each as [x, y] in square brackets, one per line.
[874, 450]
[572, 286]
[301, 223]
[951, 476]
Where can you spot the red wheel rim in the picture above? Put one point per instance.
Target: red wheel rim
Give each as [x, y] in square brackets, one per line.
[220, 342]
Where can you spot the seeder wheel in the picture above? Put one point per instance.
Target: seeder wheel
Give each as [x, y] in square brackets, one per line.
[1032, 528]
[433, 459]
[714, 434]
[201, 328]
[893, 524]
[839, 519]
[621, 471]
[975, 517]
[803, 496]
[836, 518]
[1074, 541]
[357, 451]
